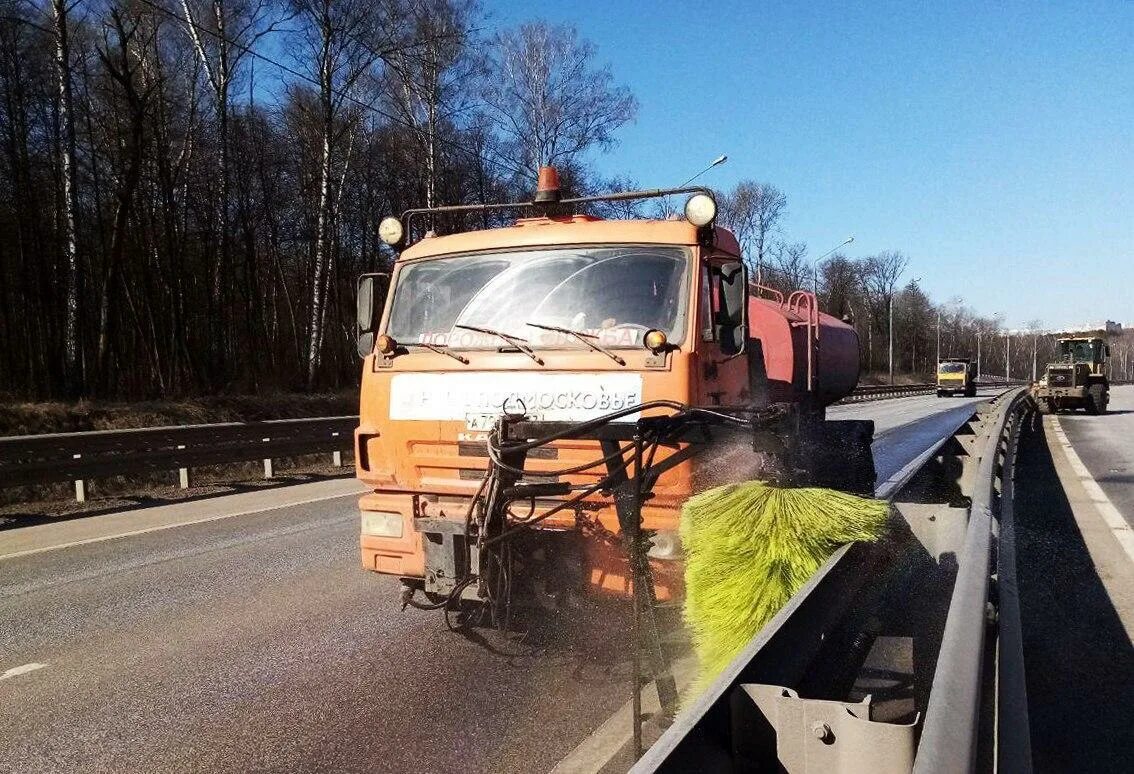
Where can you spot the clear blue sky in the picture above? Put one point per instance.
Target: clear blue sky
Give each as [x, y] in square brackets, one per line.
[991, 142]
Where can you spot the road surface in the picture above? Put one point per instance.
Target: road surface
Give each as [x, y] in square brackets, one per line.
[1105, 444]
[1075, 573]
[255, 643]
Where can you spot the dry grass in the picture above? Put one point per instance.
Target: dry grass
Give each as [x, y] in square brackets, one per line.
[27, 418]
[33, 503]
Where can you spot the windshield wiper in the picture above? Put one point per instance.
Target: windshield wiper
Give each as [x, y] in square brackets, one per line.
[515, 341]
[442, 349]
[586, 338]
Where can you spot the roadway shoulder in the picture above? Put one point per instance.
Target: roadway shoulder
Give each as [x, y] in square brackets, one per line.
[92, 529]
[1109, 550]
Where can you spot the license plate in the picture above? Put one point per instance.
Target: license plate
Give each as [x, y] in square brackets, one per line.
[482, 423]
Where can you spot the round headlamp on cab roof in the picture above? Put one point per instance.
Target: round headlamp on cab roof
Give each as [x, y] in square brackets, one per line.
[391, 231]
[700, 209]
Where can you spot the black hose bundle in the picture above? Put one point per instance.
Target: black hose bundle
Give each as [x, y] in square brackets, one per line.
[496, 527]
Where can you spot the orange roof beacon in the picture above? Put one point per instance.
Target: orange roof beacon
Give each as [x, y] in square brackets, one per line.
[539, 399]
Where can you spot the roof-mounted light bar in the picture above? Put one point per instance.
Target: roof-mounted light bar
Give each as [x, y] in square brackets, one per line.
[700, 210]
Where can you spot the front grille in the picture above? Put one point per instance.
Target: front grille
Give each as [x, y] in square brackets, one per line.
[1062, 377]
[472, 449]
[476, 474]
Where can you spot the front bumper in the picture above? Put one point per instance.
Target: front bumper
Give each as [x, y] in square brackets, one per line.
[1061, 393]
[604, 565]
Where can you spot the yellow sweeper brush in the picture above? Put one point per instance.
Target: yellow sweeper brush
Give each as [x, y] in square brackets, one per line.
[749, 547]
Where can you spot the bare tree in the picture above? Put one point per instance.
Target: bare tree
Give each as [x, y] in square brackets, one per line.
[880, 277]
[343, 40]
[221, 38]
[840, 283]
[66, 150]
[429, 74]
[790, 266]
[124, 62]
[549, 99]
[754, 212]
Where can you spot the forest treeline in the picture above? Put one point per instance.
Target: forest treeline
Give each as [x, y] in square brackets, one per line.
[189, 188]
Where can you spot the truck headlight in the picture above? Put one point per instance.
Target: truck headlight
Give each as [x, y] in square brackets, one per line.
[391, 231]
[382, 524]
[700, 209]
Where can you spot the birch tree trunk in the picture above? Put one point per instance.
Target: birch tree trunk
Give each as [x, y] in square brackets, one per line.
[72, 362]
[323, 225]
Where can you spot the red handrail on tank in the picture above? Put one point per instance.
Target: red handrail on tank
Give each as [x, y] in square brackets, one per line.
[758, 287]
[805, 304]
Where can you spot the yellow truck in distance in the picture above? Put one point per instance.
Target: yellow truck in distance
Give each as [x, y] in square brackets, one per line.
[956, 376]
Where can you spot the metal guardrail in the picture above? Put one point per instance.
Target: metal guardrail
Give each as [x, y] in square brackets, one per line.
[949, 740]
[879, 391]
[882, 391]
[55, 457]
[934, 583]
[50, 458]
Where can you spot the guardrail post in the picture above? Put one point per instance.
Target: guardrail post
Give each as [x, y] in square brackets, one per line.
[337, 459]
[267, 467]
[182, 473]
[80, 485]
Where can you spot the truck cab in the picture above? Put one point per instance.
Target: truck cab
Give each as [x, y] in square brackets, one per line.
[564, 318]
[956, 376]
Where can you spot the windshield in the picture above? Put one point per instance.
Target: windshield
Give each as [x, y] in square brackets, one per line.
[1078, 351]
[614, 293]
[951, 368]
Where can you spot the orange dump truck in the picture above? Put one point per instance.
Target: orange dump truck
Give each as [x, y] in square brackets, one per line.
[560, 319]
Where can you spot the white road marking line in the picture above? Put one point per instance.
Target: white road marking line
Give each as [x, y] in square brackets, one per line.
[160, 527]
[21, 670]
[1118, 525]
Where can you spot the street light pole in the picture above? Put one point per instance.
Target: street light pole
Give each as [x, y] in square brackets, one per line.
[820, 259]
[891, 327]
[939, 336]
[715, 162]
[1007, 356]
[978, 336]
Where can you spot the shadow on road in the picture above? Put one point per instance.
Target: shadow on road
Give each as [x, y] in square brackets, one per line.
[1078, 658]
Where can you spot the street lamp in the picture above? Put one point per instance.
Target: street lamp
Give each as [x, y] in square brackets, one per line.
[979, 333]
[820, 259]
[938, 335]
[715, 163]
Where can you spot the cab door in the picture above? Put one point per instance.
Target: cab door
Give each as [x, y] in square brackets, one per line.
[722, 377]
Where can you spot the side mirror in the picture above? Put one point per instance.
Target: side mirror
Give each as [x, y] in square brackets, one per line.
[732, 307]
[365, 309]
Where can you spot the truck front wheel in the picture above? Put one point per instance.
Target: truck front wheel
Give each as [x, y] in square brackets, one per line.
[1096, 399]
